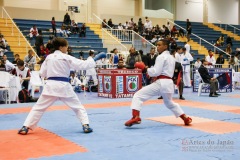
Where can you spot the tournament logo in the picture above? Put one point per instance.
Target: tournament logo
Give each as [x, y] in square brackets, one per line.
[107, 84]
[132, 83]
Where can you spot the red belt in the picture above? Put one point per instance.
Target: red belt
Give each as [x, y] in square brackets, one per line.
[163, 77]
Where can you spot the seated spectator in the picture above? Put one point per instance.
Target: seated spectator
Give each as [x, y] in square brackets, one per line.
[174, 31]
[23, 73]
[64, 32]
[74, 27]
[125, 25]
[30, 60]
[49, 46]
[232, 62]
[3, 43]
[218, 42]
[198, 63]
[132, 58]
[229, 49]
[222, 40]
[8, 65]
[121, 65]
[181, 32]
[208, 79]
[104, 23]
[110, 23]
[33, 31]
[16, 59]
[67, 20]
[82, 31]
[2, 65]
[220, 60]
[154, 39]
[120, 27]
[44, 51]
[229, 40]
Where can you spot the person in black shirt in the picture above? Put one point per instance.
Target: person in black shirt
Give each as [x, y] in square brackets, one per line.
[208, 79]
[220, 60]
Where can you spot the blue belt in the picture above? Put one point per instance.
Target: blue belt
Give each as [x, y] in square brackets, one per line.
[63, 79]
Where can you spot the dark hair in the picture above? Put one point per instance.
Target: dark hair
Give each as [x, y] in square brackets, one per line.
[178, 48]
[91, 52]
[59, 42]
[172, 51]
[141, 52]
[165, 42]
[20, 63]
[183, 48]
[203, 60]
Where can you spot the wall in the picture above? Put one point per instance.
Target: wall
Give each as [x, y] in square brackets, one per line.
[223, 10]
[114, 7]
[192, 10]
[38, 4]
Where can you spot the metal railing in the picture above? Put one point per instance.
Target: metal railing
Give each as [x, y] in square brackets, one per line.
[129, 37]
[226, 25]
[20, 34]
[200, 39]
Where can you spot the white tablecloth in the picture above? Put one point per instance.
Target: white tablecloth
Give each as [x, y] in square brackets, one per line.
[236, 77]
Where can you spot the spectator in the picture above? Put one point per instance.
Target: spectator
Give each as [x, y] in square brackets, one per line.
[198, 63]
[218, 42]
[152, 57]
[44, 51]
[67, 20]
[33, 32]
[53, 22]
[210, 59]
[49, 46]
[229, 48]
[74, 27]
[181, 32]
[16, 59]
[63, 31]
[208, 79]
[110, 23]
[186, 59]
[23, 73]
[30, 60]
[131, 24]
[91, 72]
[188, 29]
[132, 58]
[229, 40]
[120, 27]
[145, 59]
[8, 65]
[148, 25]
[2, 65]
[220, 60]
[39, 42]
[174, 31]
[178, 54]
[82, 31]
[173, 45]
[140, 26]
[104, 23]
[222, 40]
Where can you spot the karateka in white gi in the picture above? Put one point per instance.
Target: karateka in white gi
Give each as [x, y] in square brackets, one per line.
[210, 59]
[186, 58]
[163, 71]
[56, 68]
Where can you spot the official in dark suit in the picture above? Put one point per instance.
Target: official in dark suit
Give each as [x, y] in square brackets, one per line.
[152, 57]
[208, 79]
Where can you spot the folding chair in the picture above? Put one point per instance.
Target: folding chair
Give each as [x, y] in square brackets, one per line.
[5, 85]
[35, 81]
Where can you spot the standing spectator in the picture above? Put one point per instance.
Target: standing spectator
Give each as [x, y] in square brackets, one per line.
[131, 24]
[39, 42]
[152, 57]
[148, 25]
[91, 73]
[174, 31]
[114, 57]
[181, 32]
[53, 22]
[67, 20]
[132, 58]
[30, 60]
[140, 26]
[189, 29]
[210, 59]
[82, 31]
[220, 60]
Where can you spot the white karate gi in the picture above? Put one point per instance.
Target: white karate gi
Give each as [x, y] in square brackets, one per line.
[91, 73]
[177, 57]
[187, 46]
[186, 68]
[164, 65]
[58, 65]
[211, 60]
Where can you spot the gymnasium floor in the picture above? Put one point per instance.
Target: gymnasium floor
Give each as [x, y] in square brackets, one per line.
[213, 135]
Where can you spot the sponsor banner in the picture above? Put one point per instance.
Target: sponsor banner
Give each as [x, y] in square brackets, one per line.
[119, 84]
[100, 82]
[214, 72]
[106, 95]
[132, 83]
[107, 84]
